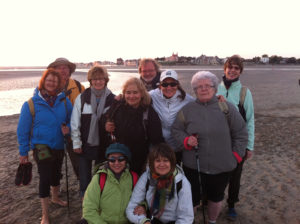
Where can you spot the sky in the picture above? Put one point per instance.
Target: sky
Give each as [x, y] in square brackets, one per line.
[36, 32]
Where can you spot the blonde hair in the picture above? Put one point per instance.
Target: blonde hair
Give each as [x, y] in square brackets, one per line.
[146, 99]
[97, 71]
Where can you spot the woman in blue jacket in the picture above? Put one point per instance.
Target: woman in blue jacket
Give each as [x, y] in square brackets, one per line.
[43, 131]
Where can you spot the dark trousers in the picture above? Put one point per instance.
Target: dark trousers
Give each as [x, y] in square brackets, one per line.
[85, 166]
[50, 172]
[235, 184]
[74, 157]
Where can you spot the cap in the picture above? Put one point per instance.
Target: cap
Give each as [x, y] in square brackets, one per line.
[118, 148]
[168, 74]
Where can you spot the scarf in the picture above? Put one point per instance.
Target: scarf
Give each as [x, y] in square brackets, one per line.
[49, 97]
[97, 111]
[228, 83]
[164, 191]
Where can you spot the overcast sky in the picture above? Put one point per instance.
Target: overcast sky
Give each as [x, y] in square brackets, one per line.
[35, 32]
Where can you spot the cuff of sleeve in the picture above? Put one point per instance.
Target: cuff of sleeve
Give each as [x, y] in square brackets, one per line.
[186, 145]
[146, 220]
[238, 158]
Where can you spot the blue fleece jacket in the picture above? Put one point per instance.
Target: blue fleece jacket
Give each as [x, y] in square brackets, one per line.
[46, 126]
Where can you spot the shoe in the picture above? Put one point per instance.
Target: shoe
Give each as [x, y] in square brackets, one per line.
[19, 175]
[27, 173]
[231, 214]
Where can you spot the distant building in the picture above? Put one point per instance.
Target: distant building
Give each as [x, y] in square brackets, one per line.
[174, 57]
[205, 60]
[131, 62]
[265, 60]
[120, 61]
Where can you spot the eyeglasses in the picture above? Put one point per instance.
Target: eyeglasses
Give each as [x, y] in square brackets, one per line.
[148, 71]
[166, 84]
[52, 81]
[204, 87]
[235, 67]
[100, 80]
[114, 159]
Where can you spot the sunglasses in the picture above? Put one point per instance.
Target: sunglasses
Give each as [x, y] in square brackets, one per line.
[172, 84]
[114, 159]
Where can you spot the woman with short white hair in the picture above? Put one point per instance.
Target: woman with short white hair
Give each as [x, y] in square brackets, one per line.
[219, 139]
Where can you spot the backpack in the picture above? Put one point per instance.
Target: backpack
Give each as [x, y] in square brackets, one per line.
[103, 176]
[69, 91]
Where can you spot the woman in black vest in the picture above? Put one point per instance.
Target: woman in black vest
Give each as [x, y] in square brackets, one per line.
[88, 109]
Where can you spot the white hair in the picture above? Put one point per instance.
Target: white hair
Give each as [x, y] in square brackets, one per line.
[204, 75]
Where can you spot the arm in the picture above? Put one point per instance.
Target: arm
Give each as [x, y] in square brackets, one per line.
[76, 124]
[91, 202]
[184, 210]
[249, 108]
[178, 130]
[24, 130]
[138, 196]
[238, 131]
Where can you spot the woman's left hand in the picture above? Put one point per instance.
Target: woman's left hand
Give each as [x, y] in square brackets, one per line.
[139, 210]
[65, 129]
[221, 98]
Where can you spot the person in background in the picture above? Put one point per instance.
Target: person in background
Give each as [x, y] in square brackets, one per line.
[230, 88]
[44, 133]
[149, 73]
[87, 112]
[219, 139]
[167, 100]
[108, 205]
[163, 190]
[133, 121]
[72, 88]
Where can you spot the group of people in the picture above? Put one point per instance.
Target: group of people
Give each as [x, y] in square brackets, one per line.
[154, 130]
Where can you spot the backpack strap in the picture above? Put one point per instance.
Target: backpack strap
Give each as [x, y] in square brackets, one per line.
[243, 93]
[224, 108]
[102, 180]
[78, 85]
[31, 107]
[135, 178]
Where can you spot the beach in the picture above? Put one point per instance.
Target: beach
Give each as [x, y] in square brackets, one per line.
[270, 185]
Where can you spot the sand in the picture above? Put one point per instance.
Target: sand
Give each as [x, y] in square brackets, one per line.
[270, 191]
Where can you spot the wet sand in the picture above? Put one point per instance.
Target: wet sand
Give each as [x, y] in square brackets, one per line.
[270, 182]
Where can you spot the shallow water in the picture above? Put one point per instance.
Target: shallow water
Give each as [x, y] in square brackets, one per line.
[17, 88]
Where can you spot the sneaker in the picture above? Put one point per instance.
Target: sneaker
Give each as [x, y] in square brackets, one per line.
[231, 214]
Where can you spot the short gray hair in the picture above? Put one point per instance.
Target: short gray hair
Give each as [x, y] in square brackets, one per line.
[204, 75]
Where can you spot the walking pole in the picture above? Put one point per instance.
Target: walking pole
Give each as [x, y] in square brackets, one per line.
[66, 165]
[199, 176]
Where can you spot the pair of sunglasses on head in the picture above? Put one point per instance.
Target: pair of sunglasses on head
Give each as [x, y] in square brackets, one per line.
[114, 159]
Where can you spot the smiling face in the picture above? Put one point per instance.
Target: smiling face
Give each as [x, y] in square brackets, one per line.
[162, 165]
[205, 90]
[232, 71]
[64, 72]
[116, 162]
[148, 71]
[98, 82]
[51, 83]
[168, 87]
[132, 95]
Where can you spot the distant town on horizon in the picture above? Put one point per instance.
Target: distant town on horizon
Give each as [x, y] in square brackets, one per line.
[174, 59]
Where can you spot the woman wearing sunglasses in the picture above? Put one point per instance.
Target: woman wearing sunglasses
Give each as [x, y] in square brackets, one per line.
[167, 100]
[105, 201]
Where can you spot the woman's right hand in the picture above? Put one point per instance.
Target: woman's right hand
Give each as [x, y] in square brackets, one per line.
[78, 150]
[23, 159]
[110, 126]
[192, 141]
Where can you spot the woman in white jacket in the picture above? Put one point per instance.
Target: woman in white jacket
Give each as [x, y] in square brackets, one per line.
[167, 100]
[162, 194]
